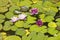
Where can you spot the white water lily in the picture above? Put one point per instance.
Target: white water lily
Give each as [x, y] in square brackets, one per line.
[14, 19]
[22, 16]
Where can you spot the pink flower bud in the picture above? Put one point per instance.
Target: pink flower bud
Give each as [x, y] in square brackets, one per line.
[34, 11]
[39, 22]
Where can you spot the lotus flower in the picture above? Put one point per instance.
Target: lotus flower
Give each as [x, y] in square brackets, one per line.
[22, 16]
[14, 19]
[39, 22]
[34, 11]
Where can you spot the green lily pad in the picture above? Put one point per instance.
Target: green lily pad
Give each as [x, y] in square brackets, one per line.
[20, 32]
[31, 19]
[6, 27]
[1, 27]
[58, 19]
[5, 9]
[26, 25]
[24, 3]
[52, 24]
[49, 18]
[42, 16]
[1, 20]
[3, 2]
[58, 23]
[14, 28]
[2, 16]
[8, 23]
[52, 31]
[13, 7]
[12, 38]
[9, 15]
[19, 23]
[35, 28]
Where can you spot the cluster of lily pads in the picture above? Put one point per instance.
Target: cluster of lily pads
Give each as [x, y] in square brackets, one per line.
[29, 20]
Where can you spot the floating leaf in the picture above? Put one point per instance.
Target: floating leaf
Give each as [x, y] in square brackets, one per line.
[31, 19]
[14, 28]
[25, 37]
[12, 38]
[58, 4]
[35, 28]
[6, 27]
[14, 7]
[2, 16]
[25, 3]
[58, 23]
[35, 1]
[52, 11]
[9, 15]
[43, 29]
[49, 18]
[52, 31]
[20, 32]
[8, 23]
[3, 2]
[41, 36]
[3, 35]
[50, 38]
[38, 5]
[26, 25]
[1, 20]
[0, 26]
[5, 9]
[42, 16]
[48, 4]
[14, 2]
[58, 19]
[19, 23]
[52, 24]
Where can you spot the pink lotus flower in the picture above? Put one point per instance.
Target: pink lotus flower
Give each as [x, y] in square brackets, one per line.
[34, 11]
[39, 22]
[14, 19]
[22, 16]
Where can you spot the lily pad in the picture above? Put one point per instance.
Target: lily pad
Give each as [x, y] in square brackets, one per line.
[12, 38]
